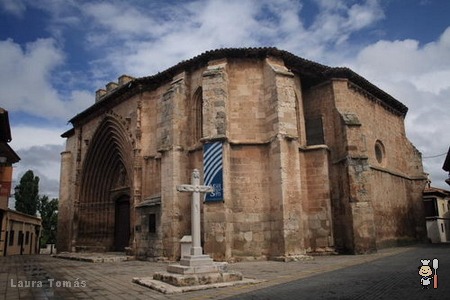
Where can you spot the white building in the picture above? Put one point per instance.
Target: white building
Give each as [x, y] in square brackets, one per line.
[437, 213]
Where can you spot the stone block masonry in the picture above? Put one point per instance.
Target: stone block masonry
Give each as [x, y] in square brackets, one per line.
[315, 160]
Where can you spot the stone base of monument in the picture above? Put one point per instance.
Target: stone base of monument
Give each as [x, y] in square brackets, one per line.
[166, 288]
[192, 279]
[193, 273]
[196, 271]
[196, 264]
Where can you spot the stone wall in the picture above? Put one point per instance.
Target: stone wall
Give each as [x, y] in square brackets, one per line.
[262, 214]
[67, 197]
[283, 196]
[324, 165]
[316, 204]
[252, 219]
[148, 238]
[354, 123]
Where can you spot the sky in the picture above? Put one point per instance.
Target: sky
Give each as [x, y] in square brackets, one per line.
[54, 55]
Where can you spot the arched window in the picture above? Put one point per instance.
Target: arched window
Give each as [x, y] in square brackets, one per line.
[197, 116]
[297, 116]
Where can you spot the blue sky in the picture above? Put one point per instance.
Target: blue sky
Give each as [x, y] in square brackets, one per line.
[54, 55]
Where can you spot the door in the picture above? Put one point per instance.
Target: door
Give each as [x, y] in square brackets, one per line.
[122, 224]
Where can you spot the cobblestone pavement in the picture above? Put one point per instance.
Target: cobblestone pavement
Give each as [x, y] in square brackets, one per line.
[391, 277]
[55, 278]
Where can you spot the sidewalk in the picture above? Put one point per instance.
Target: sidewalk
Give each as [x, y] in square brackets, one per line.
[74, 279]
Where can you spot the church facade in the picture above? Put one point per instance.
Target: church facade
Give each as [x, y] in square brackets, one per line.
[303, 158]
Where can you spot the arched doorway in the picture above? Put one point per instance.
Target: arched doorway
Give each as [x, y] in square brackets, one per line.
[103, 220]
[122, 223]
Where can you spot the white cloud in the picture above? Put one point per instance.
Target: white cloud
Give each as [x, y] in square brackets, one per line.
[125, 20]
[434, 82]
[45, 163]
[363, 15]
[14, 7]
[26, 80]
[407, 59]
[159, 41]
[39, 150]
[140, 38]
[24, 76]
[25, 137]
[143, 41]
[337, 21]
[416, 75]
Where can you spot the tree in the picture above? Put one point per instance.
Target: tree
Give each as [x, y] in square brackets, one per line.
[49, 215]
[29, 202]
[26, 194]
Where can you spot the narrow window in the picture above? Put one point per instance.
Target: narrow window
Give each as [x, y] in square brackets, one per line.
[11, 238]
[20, 239]
[27, 237]
[314, 132]
[197, 116]
[442, 227]
[297, 115]
[152, 223]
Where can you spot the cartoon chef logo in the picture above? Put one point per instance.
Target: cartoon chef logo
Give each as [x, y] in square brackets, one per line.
[426, 272]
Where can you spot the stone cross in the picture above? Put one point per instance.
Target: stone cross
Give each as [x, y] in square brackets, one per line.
[195, 188]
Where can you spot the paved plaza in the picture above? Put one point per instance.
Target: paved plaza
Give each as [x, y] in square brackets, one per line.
[389, 274]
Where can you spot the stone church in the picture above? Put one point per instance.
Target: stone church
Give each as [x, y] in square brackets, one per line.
[303, 158]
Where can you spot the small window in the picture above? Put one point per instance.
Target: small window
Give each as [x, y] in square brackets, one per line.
[27, 237]
[11, 238]
[379, 152]
[442, 227]
[152, 223]
[20, 239]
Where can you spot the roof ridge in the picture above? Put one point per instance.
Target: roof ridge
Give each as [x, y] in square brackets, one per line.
[310, 71]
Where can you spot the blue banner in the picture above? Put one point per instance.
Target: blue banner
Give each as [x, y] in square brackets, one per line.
[213, 170]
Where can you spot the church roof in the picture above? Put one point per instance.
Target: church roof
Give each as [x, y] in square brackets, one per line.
[150, 201]
[9, 153]
[446, 166]
[5, 137]
[5, 130]
[434, 191]
[311, 73]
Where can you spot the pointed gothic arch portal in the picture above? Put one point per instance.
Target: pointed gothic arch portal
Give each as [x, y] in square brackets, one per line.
[104, 215]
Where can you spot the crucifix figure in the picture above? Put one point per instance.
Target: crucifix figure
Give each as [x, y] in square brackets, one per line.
[195, 188]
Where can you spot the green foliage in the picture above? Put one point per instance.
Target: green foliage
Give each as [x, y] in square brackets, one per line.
[49, 215]
[26, 194]
[29, 202]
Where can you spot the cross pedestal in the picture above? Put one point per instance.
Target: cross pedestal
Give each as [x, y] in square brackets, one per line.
[196, 262]
[196, 269]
